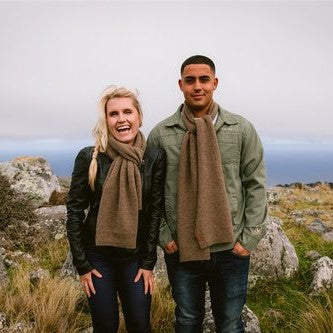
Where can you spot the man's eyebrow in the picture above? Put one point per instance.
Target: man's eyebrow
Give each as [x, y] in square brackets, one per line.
[193, 77]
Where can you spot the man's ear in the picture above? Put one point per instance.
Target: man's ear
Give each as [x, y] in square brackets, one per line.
[180, 84]
[216, 82]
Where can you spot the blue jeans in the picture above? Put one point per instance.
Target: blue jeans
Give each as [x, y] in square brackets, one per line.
[118, 278]
[226, 274]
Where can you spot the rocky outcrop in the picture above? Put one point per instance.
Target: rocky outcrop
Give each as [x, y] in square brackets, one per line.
[38, 275]
[251, 322]
[273, 197]
[275, 256]
[31, 177]
[51, 222]
[3, 274]
[320, 227]
[68, 269]
[3, 321]
[306, 185]
[322, 276]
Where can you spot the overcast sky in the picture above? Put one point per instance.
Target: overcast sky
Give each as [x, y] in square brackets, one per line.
[274, 63]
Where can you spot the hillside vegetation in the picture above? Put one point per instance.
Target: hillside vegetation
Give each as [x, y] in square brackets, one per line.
[59, 305]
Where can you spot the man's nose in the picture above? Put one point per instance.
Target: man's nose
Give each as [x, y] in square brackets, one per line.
[197, 85]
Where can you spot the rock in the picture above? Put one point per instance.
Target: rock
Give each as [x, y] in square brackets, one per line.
[313, 255]
[13, 259]
[51, 222]
[37, 276]
[297, 213]
[328, 236]
[3, 320]
[31, 177]
[68, 269]
[4, 280]
[299, 220]
[275, 256]
[323, 276]
[317, 226]
[208, 323]
[273, 197]
[160, 271]
[87, 330]
[10, 263]
[20, 327]
[251, 322]
[22, 256]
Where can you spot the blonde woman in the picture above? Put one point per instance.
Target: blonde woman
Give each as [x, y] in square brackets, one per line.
[120, 183]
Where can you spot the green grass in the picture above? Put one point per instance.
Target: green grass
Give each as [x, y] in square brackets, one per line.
[284, 305]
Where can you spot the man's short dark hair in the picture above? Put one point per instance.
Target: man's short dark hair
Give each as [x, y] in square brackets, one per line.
[198, 59]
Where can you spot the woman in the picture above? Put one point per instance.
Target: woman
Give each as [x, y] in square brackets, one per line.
[120, 183]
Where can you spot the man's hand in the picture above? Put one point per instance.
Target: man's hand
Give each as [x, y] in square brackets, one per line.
[171, 247]
[240, 250]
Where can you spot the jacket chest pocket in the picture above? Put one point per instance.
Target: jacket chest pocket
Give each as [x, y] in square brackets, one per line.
[230, 146]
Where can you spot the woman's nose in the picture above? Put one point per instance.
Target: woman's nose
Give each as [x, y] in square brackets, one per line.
[121, 117]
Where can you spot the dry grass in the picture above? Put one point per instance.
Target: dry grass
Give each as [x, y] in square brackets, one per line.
[162, 314]
[58, 305]
[53, 305]
[310, 202]
[317, 316]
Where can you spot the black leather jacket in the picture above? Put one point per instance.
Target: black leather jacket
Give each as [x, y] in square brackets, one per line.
[83, 204]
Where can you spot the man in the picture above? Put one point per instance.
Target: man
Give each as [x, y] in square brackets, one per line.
[215, 202]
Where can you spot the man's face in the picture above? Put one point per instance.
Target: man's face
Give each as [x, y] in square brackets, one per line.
[198, 83]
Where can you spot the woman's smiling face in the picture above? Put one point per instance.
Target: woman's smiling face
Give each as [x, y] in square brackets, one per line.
[122, 119]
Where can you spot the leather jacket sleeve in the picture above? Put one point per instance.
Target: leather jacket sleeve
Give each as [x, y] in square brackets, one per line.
[156, 209]
[77, 202]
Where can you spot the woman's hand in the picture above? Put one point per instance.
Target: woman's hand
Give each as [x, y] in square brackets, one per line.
[148, 279]
[86, 282]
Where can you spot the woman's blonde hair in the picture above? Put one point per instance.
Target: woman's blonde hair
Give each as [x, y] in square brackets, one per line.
[100, 131]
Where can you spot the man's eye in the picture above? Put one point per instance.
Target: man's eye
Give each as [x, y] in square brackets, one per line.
[189, 80]
[205, 79]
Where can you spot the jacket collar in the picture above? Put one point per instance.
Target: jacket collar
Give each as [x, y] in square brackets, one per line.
[224, 117]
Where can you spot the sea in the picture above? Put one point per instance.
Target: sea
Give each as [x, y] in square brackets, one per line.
[285, 163]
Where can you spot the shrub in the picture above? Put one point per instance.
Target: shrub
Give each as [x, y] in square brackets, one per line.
[13, 207]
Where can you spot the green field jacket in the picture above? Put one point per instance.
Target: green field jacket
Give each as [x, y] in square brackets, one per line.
[244, 173]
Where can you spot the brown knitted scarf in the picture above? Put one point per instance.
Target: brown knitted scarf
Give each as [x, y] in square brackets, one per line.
[203, 214]
[117, 220]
